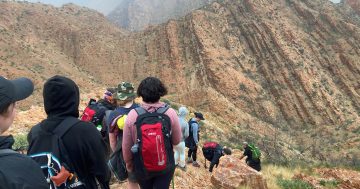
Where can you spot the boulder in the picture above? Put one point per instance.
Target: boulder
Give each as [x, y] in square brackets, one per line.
[233, 173]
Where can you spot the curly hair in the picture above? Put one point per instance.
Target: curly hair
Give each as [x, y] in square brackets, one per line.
[151, 89]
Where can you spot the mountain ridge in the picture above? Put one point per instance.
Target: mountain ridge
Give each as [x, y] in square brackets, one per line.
[280, 73]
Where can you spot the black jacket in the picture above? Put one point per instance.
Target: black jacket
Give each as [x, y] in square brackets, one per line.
[213, 156]
[255, 164]
[83, 142]
[18, 171]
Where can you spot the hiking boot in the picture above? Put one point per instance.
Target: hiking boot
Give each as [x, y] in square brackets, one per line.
[189, 160]
[195, 164]
[182, 168]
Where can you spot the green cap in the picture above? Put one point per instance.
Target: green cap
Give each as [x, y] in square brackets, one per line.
[124, 91]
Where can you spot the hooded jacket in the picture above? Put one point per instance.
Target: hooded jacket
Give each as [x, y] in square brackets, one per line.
[183, 112]
[18, 171]
[83, 142]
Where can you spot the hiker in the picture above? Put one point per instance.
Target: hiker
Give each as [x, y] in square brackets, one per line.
[96, 111]
[179, 150]
[213, 151]
[192, 141]
[124, 99]
[76, 145]
[17, 171]
[253, 162]
[157, 129]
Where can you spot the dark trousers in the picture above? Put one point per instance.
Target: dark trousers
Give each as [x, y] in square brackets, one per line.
[159, 182]
[192, 152]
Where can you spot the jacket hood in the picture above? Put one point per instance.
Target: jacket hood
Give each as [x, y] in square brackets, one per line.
[61, 97]
[183, 112]
[6, 142]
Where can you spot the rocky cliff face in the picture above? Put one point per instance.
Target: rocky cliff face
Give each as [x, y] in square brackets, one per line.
[354, 4]
[264, 66]
[136, 15]
[283, 73]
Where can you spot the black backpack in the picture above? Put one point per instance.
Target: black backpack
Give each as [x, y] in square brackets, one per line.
[48, 150]
[95, 113]
[189, 141]
[153, 151]
[208, 150]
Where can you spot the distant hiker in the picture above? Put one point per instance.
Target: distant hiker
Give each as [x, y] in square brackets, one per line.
[213, 151]
[193, 140]
[124, 99]
[150, 132]
[17, 171]
[252, 154]
[95, 112]
[71, 152]
[179, 150]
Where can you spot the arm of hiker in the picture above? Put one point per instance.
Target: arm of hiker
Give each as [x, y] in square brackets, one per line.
[175, 127]
[195, 128]
[113, 140]
[128, 139]
[186, 132]
[97, 158]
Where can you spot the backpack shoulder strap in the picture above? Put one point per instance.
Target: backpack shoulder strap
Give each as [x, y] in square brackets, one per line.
[4, 152]
[65, 125]
[140, 110]
[162, 110]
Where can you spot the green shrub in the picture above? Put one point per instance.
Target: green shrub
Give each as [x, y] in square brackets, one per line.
[21, 142]
[293, 184]
[329, 183]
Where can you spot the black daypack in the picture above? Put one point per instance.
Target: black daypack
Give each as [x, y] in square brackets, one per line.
[208, 150]
[116, 161]
[153, 151]
[117, 164]
[95, 113]
[48, 150]
[189, 141]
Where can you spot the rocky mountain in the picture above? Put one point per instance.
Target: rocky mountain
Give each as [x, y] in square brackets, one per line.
[283, 74]
[354, 4]
[136, 15]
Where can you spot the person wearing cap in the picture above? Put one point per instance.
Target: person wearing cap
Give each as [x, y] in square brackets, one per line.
[124, 99]
[213, 152]
[255, 164]
[83, 142]
[193, 140]
[17, 171]
[150, 89]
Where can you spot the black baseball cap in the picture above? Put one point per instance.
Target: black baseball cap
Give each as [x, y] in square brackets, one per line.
[14, 90]
[199, 115]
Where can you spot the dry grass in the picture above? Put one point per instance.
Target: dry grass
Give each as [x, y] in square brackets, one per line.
[272, 172]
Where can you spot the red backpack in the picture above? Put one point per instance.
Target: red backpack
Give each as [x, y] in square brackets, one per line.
[94, 113]
[153, 152]
[208, 149]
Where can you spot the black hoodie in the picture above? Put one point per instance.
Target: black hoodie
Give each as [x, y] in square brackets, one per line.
[18, 171]
[83, 141]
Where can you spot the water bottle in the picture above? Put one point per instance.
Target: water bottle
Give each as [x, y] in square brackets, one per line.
[135, 148]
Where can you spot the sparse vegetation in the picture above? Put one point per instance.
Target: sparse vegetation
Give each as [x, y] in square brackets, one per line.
[329, 183]
[293, 184]
[21, 142]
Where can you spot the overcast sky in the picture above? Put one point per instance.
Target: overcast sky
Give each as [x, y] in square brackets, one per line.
[103, 6]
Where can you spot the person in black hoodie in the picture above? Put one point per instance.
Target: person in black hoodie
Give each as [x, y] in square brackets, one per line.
[83, 142]
[17, 171]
